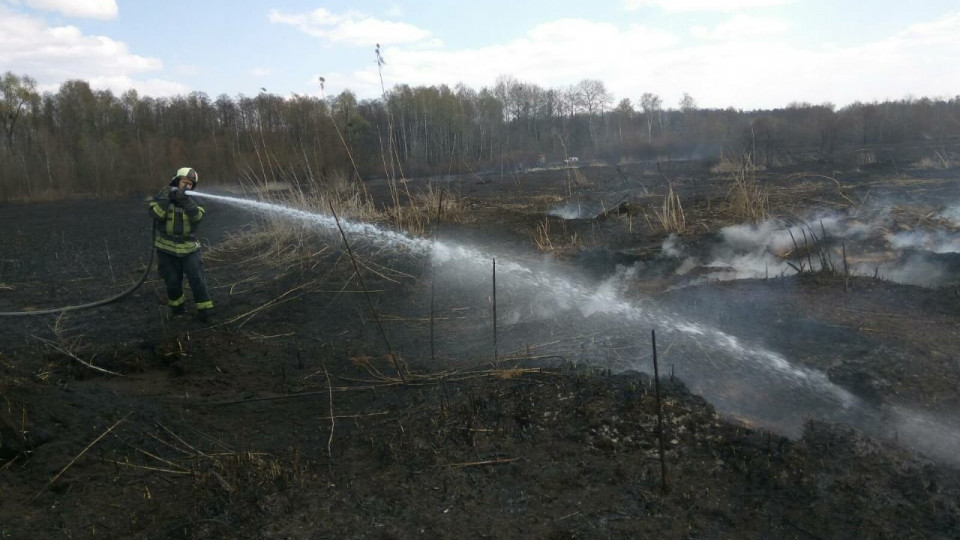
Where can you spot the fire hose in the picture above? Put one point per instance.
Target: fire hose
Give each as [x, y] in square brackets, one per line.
[113, 298]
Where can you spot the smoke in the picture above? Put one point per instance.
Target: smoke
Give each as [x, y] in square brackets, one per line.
[869, 245]
[934, 435]
[672, 247]
[768, 236]
[915, 269]
[952, 214]
[568, 211]
[937, 241]
[591, 206]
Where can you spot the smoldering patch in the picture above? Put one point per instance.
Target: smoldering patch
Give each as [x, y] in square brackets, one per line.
[877, 244]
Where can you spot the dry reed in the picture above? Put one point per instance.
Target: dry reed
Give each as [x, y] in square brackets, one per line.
[746, 198]
[670, 216]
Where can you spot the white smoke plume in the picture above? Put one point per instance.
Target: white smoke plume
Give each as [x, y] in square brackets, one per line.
[672, 247]
[871, 246]
[952, 214]
[937, 241]
[568, 211]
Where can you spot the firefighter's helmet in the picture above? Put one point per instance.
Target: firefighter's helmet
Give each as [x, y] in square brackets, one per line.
[188, 173]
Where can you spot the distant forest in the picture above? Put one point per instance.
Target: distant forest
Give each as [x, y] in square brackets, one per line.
[80, 140]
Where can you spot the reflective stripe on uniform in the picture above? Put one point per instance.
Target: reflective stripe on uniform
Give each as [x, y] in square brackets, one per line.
[205, 305]
[196, 219]
[171, 215]
[176, 248]
[157, 210]
[177, 302]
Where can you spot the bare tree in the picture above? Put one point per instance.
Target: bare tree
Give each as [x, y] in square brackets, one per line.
[623, 113]
[652, 106]
[594, 95]
[510, 92]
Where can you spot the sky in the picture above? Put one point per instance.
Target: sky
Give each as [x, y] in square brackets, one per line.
[745, 54]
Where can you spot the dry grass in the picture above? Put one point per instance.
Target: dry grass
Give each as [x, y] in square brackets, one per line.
[282, 240]
[242, 471]
[938, 161]
[575, 179]
[419, 215]
[912, 217]
[747, 200]
[211, 463]
[670, 216]
[866, 157]
[811, 249]
[728, 165]
[550, 240]
[542, 235]
[278, 237]
[276, 242]
[288, 244]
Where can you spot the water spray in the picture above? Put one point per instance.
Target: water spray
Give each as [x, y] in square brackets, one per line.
[802, 392]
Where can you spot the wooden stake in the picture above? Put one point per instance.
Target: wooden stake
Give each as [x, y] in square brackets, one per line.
[433, 281]
[664, 481]
[496, 358]
[376, 317]
[843, 248]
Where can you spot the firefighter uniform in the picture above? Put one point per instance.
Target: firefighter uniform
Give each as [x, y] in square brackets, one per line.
[175, 220]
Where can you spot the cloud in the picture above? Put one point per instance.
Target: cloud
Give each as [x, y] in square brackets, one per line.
[53, 54]
[351, 28]
[937, 33]
[746, 62]
[260, 72]
[150, 87]
[909, 62]
[878, 69]
[702, 5]
[743, 27]
[28, 44]
[553, 54]
[91, 9]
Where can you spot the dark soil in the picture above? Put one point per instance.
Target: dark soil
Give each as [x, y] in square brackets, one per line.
[286, 418]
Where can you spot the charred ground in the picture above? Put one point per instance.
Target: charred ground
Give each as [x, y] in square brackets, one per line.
[286, 418]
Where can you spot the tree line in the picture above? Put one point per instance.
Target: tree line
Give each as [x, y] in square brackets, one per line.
[81, 140]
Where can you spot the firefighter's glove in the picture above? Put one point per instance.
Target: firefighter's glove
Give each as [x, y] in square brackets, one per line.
[176, 196]
[187, 203]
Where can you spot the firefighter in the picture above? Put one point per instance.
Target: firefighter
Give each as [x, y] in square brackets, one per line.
[175, 219]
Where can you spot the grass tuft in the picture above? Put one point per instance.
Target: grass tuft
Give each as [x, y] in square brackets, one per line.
[938, 161]
[670, 216]
[747, 200]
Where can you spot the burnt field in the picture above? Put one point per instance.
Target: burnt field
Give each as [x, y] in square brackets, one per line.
[807, 322]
